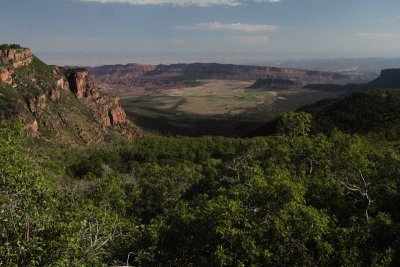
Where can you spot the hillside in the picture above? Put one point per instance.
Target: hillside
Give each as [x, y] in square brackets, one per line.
[56, 104]
[370, 112]
[375, 111]
[389, 78]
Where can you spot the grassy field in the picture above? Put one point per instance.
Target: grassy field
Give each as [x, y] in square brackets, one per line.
[217, 107]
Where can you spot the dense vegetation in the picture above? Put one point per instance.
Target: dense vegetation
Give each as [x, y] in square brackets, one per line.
[292, 199]
[374, 112]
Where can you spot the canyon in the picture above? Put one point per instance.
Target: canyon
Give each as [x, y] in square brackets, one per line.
[125, 78]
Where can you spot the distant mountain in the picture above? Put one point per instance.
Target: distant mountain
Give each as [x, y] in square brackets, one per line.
[178, 75]
[56, 104]
[389, 78]
[366, 68]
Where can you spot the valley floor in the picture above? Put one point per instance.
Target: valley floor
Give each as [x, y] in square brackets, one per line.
[216, 107]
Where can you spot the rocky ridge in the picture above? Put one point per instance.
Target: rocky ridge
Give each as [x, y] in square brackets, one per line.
[56, 104]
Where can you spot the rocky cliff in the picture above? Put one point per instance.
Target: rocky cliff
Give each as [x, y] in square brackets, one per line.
[57, 104]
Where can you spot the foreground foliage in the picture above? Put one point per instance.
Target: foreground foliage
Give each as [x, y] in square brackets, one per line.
[287, 200]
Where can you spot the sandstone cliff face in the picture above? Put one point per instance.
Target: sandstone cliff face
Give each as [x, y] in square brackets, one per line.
[58, 105]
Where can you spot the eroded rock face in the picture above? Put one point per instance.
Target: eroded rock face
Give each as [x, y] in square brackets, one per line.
[78, 82]
[17, 57]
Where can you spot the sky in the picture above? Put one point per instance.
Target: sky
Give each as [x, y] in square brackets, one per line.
[95, 32]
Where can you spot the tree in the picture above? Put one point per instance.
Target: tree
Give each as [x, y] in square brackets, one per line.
[26, 204]
[294, 124]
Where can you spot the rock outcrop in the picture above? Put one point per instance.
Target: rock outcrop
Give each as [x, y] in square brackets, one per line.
[33, 128]
[6, 75]
[11, 58]
[16, 56]
[79, 82]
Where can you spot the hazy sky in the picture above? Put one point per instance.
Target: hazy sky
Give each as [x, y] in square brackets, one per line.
[152, 31]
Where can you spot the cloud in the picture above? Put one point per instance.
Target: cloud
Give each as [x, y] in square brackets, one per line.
[243, 27]
[202, 3]
[376, 35]
[251, 40]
